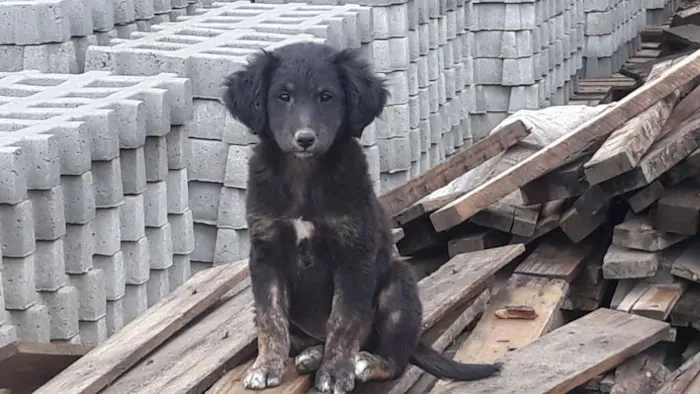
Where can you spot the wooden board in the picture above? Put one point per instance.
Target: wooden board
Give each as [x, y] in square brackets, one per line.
[686, 16]
[570, 355]
[624, 147]
[198, 355]
[687, 265]
[423, 208]
[565, 182]
[678, 210]
[643, 198]
[546, 223]
[685, 379]
[488, 238]
[623, 263]
[460, 279]
[686, 35]
[638, 233]
[24, 366]
[439, 176]
[556, 258]
[657, 300]
[101, 366]
[640, 71]
[557, 153]
[577, 225]
[643, 373]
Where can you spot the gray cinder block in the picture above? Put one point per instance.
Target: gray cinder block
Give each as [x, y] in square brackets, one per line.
[158, 285]
[92, 294]
[137, 264]
[114, 274]
[79, 247]
[160, 246]
[19, 283]
[33, 324]
[182, 229]
[49, 265]
[17, 229]
[62, 307]
[48, 210]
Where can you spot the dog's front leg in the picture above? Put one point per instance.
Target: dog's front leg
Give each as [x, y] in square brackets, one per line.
[271, 297]
[349, 325]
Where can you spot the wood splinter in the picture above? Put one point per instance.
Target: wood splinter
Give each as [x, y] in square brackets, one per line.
[516, 312]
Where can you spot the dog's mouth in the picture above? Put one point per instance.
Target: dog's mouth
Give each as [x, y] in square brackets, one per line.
[303, 155]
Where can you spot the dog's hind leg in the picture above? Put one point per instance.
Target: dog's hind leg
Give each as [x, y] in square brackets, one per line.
[397, 325]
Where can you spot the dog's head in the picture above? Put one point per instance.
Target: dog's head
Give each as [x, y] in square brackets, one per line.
[305, 96]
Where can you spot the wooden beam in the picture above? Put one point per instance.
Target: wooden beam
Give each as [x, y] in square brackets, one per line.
[488, 238]
[556, 258]
[624, 147]
[678, 210]
[685, 379]
[642, 374]
[439, 176]
[643, 198]
[690, 15]
[101, 366]
[623, 263]
[602, 339]
[565, 182]
[687, 265]
[658, 300]
[423, 207]
[460, 279]
[557, 153]
[638, 233]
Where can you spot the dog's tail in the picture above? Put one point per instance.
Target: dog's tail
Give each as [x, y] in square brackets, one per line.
[444, 368]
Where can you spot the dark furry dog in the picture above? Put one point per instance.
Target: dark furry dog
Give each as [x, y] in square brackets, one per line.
[325, 287]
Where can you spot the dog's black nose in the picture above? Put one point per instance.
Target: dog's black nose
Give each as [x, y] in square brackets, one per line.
[305, 138]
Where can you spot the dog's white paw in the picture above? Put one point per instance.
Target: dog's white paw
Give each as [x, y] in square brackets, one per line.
[259, 379]
[309, 360]
[363, 367]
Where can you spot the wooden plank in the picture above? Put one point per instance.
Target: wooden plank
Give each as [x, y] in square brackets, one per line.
[423, 208]
[640, 71]
[642, 374]
[493, 338]
[199, 354]
[658, 300]
[488, 238]
[638, 233]
[547, 222]
[625, 147]
[687, 265]
[24, 366]
[687, 16]
[577, 226]
[687, 35]
[557, 153]
[556, 258]
[461, 278]
[601, 339]
[101, 366]
[623, 263]
[564, 182]
[685, 379]
[645, 197]
[678, 210]
[439, 176]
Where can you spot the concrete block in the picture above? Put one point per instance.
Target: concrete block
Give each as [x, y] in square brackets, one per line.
[135, 301]
[182, 229]
[114, 274]
[40, 153]
[504, 16]
[33, 324]
[48, 210]
[393, 122]
[49, 58]
[91, 294]
[205, 243]
[156, 153]
[373, 159]
[136, 261]
[50, 265]
[115, 316]
[179, 149]
[388, 55]
[160, 246]
[393, 180]
[8, 334]
[19, 282]
[131, 218]
[231, 245]
[390, 22]
[133, 166]
[209, 160]
[507, 72]
[232, 209]
[13, 182]
[107, 178]
[395, 154]
[236, 171]
[107, 231]
[93, 333]
[178, 191]
[62, 306]
[17, 229]
[156, 204]
[206, 123]
[397, 85]
[158, 286]
[204, 201]
[180, 271]
[35, 22]
[79, 198]
[505, 44]
[79, 247]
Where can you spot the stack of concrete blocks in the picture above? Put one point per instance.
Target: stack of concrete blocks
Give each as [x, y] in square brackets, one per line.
[72, 147]
[658, 11]
[612, 34]
[206, 47]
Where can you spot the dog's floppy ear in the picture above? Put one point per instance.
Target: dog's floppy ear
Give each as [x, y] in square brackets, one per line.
[364, 91]
[246, 91]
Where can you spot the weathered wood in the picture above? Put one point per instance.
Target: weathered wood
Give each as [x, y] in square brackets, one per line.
[686, 16]
[642, 374]
[556, 154]
[556, 258]
[688, 306]
[488, 238]
[577, 226]
[548, 221]
[645, 197]
[623, 263]
[685, 379]
[439, 176]
[423, 207]
[601, 339]
[564, 182]
[624, 147]
[686, 35]
[687, 265]
[585, 297]
[678, 210]
[101, 366]
[198, 355]
[658, 300]
[24, 366]
[640, 71]
[460, 279]
[638, 233]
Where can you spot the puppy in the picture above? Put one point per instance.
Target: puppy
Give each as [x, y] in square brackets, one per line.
[325, 287]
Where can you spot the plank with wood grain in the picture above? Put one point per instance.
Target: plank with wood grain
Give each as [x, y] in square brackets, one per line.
[557, 153]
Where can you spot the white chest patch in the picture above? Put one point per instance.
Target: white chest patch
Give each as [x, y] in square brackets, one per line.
[304, 230]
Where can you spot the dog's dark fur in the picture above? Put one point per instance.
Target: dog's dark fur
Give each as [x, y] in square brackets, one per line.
[325, 287]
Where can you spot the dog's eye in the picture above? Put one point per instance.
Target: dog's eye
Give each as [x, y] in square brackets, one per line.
[284, 97]
[325, 97]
